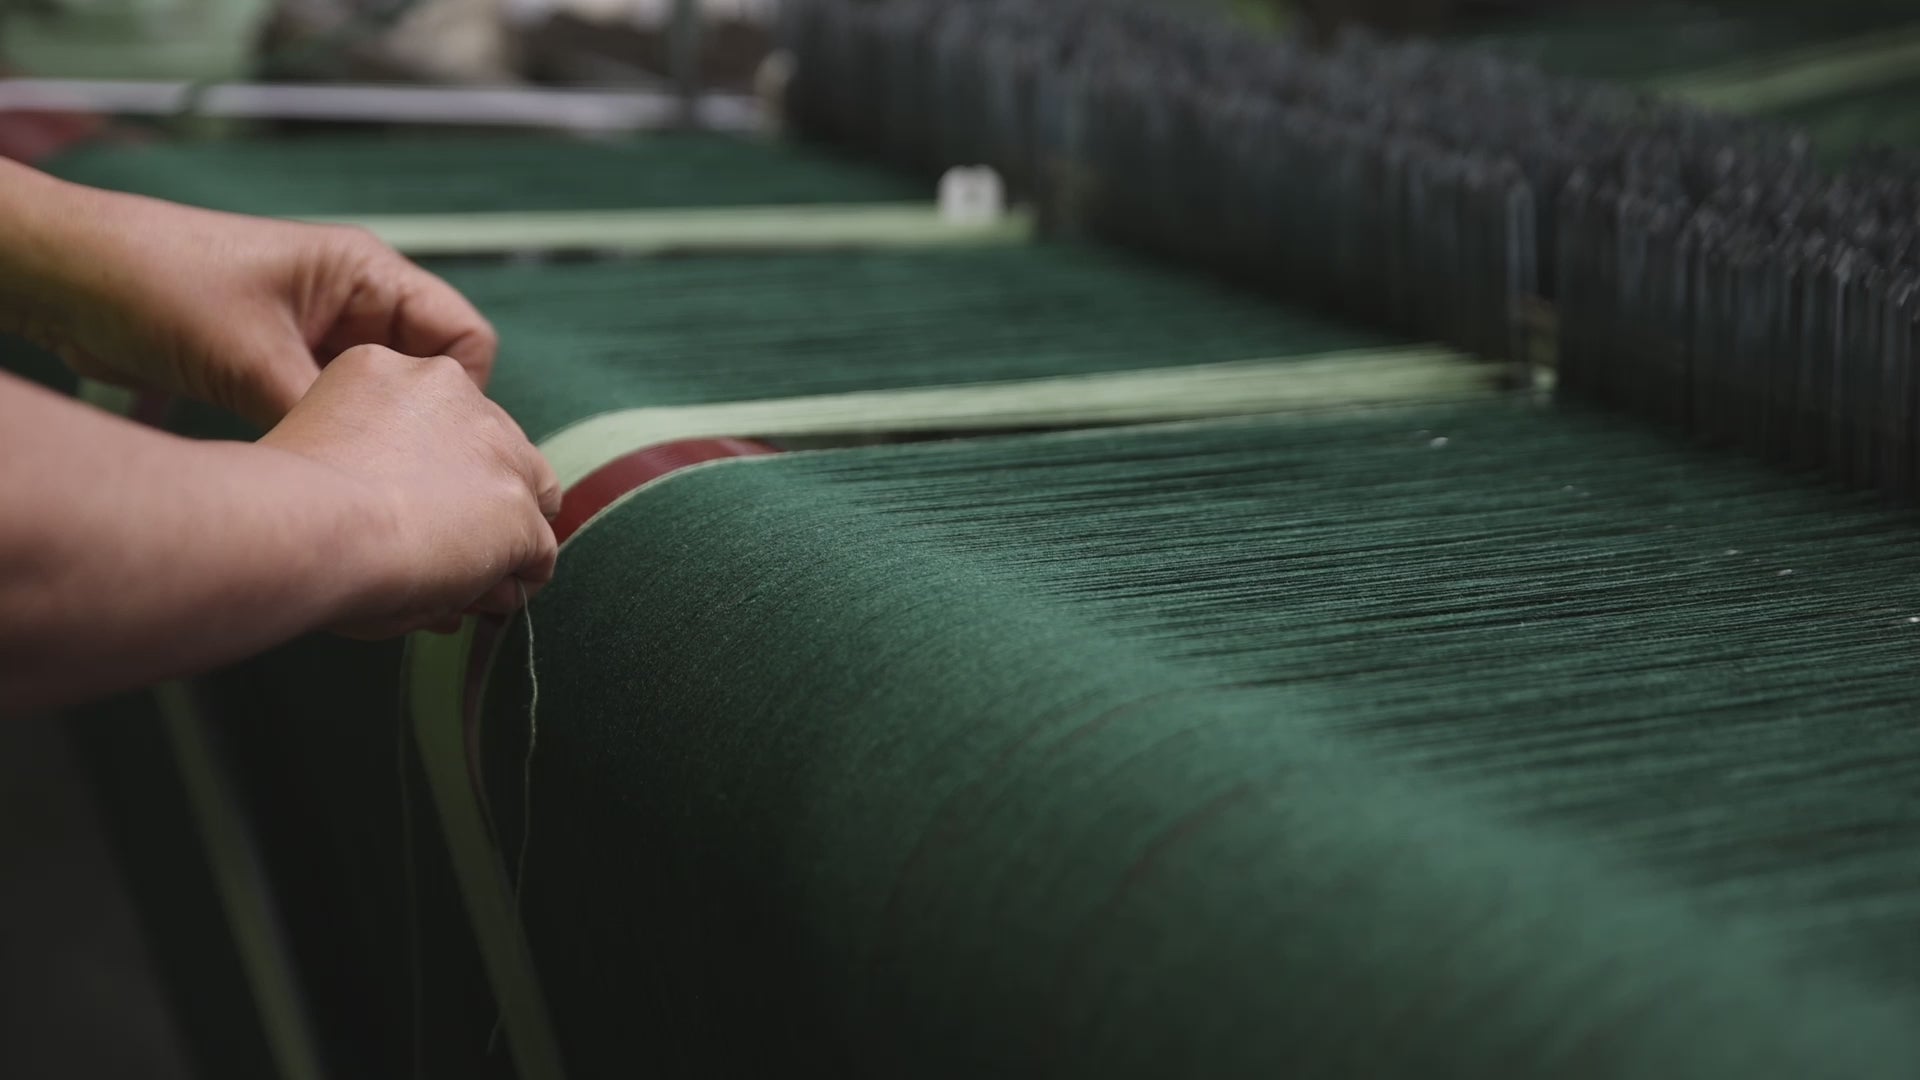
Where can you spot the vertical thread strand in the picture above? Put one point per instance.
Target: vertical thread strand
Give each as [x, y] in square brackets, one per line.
[526, 784]
[416, 974]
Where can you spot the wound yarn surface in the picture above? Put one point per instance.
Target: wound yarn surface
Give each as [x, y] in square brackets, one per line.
[1479, 742]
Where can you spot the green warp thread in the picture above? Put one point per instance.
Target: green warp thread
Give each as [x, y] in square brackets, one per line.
[690, 331]
[415, 172]
[1462, 743]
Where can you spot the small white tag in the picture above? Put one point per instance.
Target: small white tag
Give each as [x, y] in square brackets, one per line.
[770, 82]
[972, 196]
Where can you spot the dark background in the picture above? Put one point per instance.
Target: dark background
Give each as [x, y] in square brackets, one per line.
[77, 998]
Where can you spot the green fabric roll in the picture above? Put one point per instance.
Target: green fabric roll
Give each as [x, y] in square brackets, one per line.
[1445, 744]
[417, 173]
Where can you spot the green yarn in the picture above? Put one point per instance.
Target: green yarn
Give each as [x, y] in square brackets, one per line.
[1324, 747]
[417, 173]
[1454, 742]
[578, 339]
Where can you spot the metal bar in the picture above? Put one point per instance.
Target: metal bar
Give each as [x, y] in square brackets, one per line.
[1353, 379]
[639, 232]
[586, 110]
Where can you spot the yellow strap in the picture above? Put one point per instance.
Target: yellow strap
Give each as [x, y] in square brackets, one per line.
[1347, 379]
[645, 232]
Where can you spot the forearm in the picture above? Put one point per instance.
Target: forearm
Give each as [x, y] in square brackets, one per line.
[128, 555]
[40, 218]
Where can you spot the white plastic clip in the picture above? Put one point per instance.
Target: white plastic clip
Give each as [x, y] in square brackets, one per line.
[770, 82]
[972, 196]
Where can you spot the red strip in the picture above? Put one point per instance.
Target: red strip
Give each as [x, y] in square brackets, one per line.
[600, 488]
[590, 495]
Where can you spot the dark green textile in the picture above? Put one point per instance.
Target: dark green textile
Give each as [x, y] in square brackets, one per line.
[318, 769]
[151, 825]
[311, 724]
[311, 729]
[587, 338]
[1445, 744]
[414, 173]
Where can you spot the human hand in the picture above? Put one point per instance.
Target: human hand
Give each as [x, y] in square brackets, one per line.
[237, 311]
[460, 496]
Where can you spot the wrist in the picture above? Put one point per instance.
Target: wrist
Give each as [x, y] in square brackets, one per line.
[34, 240]
[47, 251]
[336, 537]
[247, 545]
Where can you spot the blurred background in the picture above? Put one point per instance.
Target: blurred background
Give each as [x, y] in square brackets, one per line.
[627, 43]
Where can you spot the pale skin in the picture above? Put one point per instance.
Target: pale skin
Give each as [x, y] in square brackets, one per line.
[388, 495]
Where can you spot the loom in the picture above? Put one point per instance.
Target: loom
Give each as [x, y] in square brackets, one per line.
[1408, 592]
